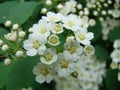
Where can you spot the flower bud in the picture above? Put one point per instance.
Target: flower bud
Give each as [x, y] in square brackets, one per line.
[15, 26]
[44, 11]
[21, 34]
[7, 61]
[48, 2]
[11, 36]
[92, 22]
[19, 54]
[8, 23]
[59, 6]
[4, 47]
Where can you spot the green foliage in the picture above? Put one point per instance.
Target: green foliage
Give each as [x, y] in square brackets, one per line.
[111, 80]
[114, 34]
[3, 31]
[101, 52]
[5, 8]
[4, 72]
[96, 30]
[24, 11]
[21, 73]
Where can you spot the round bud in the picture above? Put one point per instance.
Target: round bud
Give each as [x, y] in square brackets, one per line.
[48, 2]
[30, 30]
[19, 54]
[4, 47]
[109, 12]
[86, 12]
[59, 6]
[95, 13]
[44, 10]
[103, 12]
[7, 61]
[92, 22]
[21, 34]
[81, 13]
[79, 6]
[114, 65]
[8, 23]
[15, 26]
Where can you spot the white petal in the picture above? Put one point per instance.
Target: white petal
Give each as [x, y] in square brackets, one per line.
[31, 52]
[40, 79]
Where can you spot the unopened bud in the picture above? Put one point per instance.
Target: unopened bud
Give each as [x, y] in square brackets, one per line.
[8, 23]
[7, 61]
[21, 34]
[15, 26]
[4, 47]
[19, 54]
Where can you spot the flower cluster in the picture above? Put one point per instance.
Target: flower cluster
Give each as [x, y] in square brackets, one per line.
[86, 76]
[108, 25]
[11, 43]
[63, 42]
[115, 55]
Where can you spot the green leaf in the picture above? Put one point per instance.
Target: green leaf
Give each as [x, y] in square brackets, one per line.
[4, 72]
[96, 30]
[5, 9]
[101, 52]
[3, 31]
[114, 34]
[111, 80]
[21, 73]
[21, 12]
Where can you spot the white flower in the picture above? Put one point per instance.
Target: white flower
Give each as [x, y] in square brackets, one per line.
[84, 37]
[89, 50]
[35, 44]
[53, 40]
[65, 10]
[43, 73]
[73, 49]
[42, 28]
[71, 22]
[115, 55]
[57, 28]
[114, 65]
[116, 44]
[84, 23]
[11, 36]
[49, 56]
[116, 13]
[64, 66]
[71, 4]
[52, 17]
